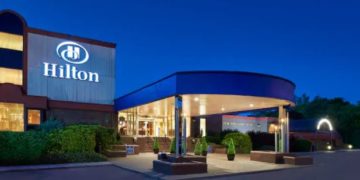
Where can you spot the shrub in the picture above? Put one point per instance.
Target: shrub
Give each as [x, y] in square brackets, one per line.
[104, 137]
[204, 144]
[198, 148]
[173, 146]
[225, 132]
[231, 147]
[241, 141]
[72, 139]
[262, 140]
[22, 147]
[156, 144]
[300, 145]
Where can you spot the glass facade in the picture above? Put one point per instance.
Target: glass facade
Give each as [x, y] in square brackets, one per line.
[153, 119]
[11, 117]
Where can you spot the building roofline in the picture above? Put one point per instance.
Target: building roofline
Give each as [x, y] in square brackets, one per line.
[69, 36]
[206, 71]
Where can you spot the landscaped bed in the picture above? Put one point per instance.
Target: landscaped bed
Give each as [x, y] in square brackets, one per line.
[53, 143]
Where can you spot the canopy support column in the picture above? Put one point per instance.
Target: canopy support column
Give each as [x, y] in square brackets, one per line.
[284, 129]
[178, 124]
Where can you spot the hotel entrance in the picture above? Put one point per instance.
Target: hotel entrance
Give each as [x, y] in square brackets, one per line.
[150, 120]
[168, 108]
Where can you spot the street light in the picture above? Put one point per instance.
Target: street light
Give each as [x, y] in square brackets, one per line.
[328, 123]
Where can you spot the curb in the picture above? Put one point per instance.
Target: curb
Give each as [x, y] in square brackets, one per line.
[249, 173]
[52, 166]
[138, 172]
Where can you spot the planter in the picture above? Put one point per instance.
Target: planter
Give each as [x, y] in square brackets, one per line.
[231, 157]
[156, 151]
[204, 153]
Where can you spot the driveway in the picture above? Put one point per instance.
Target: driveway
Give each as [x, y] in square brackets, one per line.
[87, 173]
[328, 166]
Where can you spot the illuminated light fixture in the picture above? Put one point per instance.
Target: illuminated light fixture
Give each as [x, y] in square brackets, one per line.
[251, 105]
[350, 146]
[196, 99]
[328, 147]
[282, 120]
[223, 109]
[326, 121]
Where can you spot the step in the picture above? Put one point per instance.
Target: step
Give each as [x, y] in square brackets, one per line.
[118, 147]
[114, 153]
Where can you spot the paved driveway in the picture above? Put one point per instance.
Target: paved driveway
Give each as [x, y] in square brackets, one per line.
[88, 173]
[328, 166]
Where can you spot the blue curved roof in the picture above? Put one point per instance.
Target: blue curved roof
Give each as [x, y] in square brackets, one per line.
[210, 82]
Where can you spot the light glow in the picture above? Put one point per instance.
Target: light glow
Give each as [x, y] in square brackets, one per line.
[11, 41]
[196, 99]
[326, 121]
[350, 146]
[329, 147]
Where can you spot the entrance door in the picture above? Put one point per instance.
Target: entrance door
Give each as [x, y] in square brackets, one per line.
[146, 127]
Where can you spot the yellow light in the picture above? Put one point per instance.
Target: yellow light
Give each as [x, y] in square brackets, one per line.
[251, 105]
[11, 41]
[282, 120]
[329, 147]
[350, 146]
[196, 99]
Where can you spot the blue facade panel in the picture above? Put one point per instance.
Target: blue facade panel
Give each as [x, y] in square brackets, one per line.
[156, 91]
[210, 82]
[235, 83]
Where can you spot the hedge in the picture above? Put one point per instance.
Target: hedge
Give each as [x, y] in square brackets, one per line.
[300, 145]
[242, 141]
[22, 147]
[76, 143]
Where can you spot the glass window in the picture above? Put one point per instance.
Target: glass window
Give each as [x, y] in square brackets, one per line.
[11, 41]
[13, 76]
[11, 117]
[34, 117]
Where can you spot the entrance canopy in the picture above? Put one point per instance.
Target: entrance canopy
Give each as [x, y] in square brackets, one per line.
[211, 92]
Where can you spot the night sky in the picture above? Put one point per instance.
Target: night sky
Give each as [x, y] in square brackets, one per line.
[316, 44]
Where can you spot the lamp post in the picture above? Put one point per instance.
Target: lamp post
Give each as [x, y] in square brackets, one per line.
[328, 122]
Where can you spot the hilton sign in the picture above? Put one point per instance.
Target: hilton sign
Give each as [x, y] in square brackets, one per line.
[72, 53]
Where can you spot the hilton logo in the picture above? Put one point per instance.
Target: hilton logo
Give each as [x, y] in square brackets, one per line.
[73, 53]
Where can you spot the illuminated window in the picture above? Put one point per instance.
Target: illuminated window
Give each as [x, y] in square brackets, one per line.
[203, 126]
[13, 76]
[11, 41]
[34, 117]
[11, 117]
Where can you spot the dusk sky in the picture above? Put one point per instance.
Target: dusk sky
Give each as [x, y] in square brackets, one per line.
[314, 43]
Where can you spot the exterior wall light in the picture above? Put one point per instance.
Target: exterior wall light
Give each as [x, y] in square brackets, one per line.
[350, 146]
[329, 147]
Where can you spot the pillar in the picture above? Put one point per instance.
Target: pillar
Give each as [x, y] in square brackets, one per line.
[178, 124]
[284, 130]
